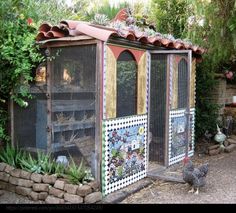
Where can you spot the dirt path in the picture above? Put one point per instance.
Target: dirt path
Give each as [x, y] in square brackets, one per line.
[220, 187]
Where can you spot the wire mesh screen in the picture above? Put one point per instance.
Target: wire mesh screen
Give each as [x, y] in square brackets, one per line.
[30, 122]
[180, 123]
[157, 118]
[73, 102]
[182, 83]
[126, 85]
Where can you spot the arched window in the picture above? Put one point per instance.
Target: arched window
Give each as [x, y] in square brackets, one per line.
[182, 83]
[126, 85]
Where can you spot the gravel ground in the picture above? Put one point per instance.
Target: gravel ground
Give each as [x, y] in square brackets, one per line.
[13, 198]
[220, 187]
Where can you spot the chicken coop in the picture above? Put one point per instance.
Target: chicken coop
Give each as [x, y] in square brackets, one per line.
[115, 96]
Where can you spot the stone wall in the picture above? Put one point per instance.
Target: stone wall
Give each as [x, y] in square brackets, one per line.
[222, 94]
[230, 92]
[218, 94]
[47, 188]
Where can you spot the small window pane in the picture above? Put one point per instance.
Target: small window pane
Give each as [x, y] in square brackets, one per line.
[126, 85]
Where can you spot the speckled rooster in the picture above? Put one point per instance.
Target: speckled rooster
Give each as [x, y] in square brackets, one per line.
[195, 177]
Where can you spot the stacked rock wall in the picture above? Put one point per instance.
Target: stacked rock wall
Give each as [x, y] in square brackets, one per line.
[47, 188]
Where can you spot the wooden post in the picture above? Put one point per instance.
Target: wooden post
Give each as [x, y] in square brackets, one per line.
[12, 121]
[49, 102]
[99, 111]
[188, 101]
[168, 108]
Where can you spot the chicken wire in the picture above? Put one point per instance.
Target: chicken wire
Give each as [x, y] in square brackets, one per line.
[73, 102]
[157, 107]
[182, 83]
[126, 85]
[30, 123]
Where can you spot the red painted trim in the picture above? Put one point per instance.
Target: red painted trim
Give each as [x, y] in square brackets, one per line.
[117, 51]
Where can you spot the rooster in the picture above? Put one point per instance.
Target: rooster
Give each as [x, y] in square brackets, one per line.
[195, 177]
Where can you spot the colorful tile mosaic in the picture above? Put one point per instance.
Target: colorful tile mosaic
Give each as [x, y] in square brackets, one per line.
[178, 135]
[124, 156]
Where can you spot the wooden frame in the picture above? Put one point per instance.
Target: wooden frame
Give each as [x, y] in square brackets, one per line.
[98, 111]
[98, 98]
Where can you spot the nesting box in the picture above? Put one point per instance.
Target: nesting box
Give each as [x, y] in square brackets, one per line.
[117, 98]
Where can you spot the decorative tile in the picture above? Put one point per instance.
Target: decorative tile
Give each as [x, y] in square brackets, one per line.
[178, 135]
[124, 152]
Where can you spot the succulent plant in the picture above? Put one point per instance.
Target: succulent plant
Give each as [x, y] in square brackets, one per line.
[100, 19]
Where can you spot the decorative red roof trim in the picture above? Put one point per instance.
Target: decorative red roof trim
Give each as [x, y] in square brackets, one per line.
[118, 50]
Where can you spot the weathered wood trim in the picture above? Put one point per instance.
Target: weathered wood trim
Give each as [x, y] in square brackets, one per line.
[98, 119]
[111, 73]
[68, 43]
[142, 85]
[193, 83]
[149, 107]
[170, 64]
[49, 103]
[188, 100]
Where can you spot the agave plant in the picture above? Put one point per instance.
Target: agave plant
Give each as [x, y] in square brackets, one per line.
[78, 174]
[100, 19]
[29, 164]
[59, 169]
[75, 173]
[11, 155]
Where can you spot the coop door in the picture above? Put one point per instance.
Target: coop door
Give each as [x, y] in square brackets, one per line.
[157, 108]
[170, 116]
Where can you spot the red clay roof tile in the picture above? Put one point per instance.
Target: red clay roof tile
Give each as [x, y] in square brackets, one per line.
[76, 28]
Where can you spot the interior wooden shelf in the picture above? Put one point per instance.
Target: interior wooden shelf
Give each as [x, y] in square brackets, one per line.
[72, 126]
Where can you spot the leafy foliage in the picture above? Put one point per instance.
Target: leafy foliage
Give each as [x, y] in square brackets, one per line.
[216, 33]
[18, 56]
[103, 7]
[170, 16]
[206, 110]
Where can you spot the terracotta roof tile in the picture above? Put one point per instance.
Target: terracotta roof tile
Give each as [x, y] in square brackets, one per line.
[45, 27]
[76, 28]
